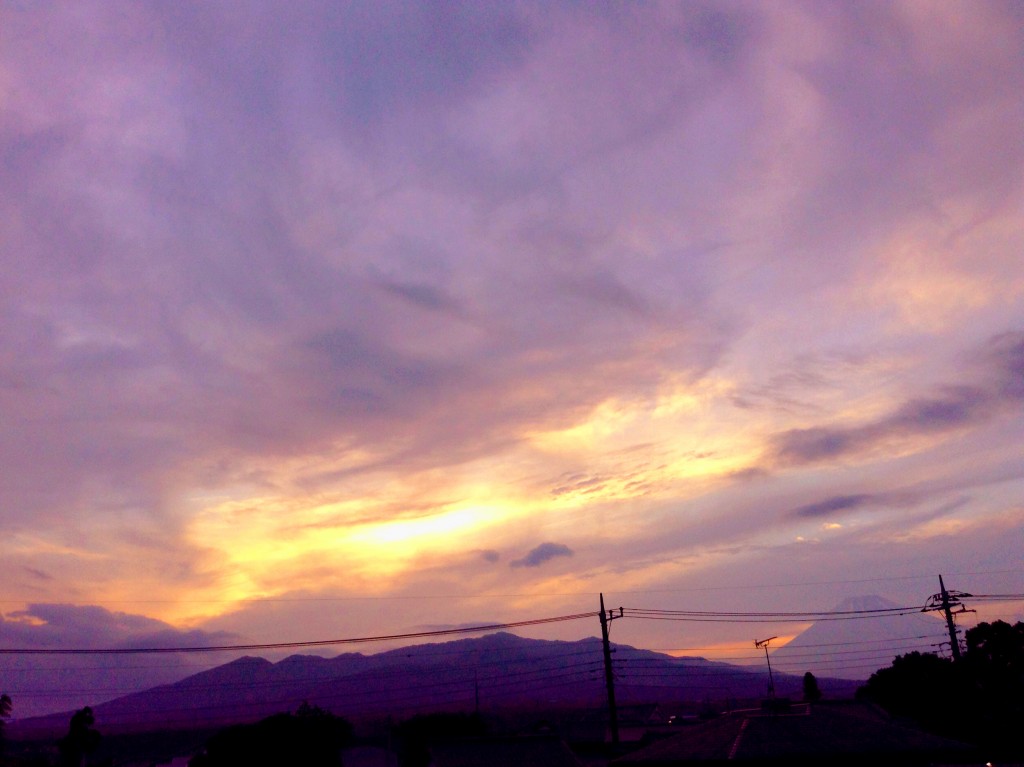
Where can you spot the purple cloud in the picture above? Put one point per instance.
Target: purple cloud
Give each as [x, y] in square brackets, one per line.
[951, 408]
[61, 626]
[89, 626]
[835, 504]
[1005, 353]
[541, 554]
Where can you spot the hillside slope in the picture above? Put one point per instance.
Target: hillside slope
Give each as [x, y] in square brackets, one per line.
[498, 671]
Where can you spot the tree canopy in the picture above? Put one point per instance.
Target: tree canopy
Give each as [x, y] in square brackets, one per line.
[5, 714]
[812, 692]
[415, 735]
[310, 737]
[980, 698]
[82, 739]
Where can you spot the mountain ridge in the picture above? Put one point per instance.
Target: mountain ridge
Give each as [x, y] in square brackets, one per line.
[496, 671]
[881, 637]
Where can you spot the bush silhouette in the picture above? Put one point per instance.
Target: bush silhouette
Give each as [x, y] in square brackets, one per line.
[5, 714]
[980, 698]
[82, 739]
[812, 692]
[310, 737]
[416, 734]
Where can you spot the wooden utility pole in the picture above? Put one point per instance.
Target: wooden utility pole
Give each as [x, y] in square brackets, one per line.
[946, 601]
[609, 677]
[954, 642]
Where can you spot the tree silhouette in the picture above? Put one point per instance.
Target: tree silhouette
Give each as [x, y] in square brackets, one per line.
[920, 686]
[5, 714]
[980, 698]
[994, 666]
[995, 657]
[812, 692]
[310, 737]
[415, 735]
[82, 739]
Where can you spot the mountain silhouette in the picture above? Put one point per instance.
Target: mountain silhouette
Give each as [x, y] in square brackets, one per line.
[497, 672]
[854, 649]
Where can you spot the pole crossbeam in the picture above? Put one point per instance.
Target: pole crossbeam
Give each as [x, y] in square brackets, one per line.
[758, 643]
[946, 601]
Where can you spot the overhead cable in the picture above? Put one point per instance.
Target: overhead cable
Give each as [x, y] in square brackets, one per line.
[289, 645]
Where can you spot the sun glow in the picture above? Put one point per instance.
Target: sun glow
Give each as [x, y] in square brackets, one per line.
[429, 530]
[646, 447]
[268, 546]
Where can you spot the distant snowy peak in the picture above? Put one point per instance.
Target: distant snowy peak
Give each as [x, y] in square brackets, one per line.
[853, 648]
[866, 602]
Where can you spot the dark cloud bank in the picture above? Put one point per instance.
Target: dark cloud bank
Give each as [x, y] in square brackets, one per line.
[44, 683]
[92, 627]
[541, 554]
[949, 408]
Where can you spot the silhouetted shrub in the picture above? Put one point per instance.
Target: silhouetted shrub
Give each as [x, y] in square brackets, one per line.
[812, 692]
[415, 735]
[980, 698]
[82, 739]
[310, 737]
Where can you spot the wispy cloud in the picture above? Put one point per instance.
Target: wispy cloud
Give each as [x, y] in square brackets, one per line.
[837, 503]
[950, 408]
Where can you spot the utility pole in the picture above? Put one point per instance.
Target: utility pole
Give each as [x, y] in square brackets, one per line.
[771, 681]
[609, 677]
[946, 601]
[954, 641]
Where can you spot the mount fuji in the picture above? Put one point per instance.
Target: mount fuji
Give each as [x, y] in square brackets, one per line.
[855, 648]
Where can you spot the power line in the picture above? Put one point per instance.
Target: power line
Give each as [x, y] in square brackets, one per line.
[397, 696]
[544, 666]
[453, 700]
[289, 645]
[784, 658]
[698, 619]
[527, 676]
[808, 614]
[998, 597]
[402, 653]
[558, 662]
[819, 644]
[421, 654]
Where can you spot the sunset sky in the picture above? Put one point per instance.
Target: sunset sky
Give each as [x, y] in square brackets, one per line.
[336, 319]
